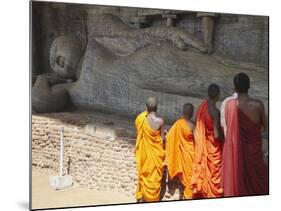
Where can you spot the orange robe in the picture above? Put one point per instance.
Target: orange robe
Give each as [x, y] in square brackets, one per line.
[208, 156]
[150, 160]
[180, 153]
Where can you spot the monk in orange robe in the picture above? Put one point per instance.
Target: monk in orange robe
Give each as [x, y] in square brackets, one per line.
[244, 171]
[208, 148]
[180, 150]
[149, 153]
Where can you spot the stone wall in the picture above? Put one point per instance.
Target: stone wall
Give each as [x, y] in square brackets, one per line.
[93, 162]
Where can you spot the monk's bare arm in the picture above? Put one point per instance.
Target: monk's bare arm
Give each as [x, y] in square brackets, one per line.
[194, 131]
[192, 125]
[217, 129]
[265, 131]
[162, 130]
[263, 119]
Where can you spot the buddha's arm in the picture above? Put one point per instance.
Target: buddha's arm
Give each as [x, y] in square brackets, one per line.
[179, 37]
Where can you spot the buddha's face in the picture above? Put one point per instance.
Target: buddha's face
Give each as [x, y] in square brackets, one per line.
[65, 54]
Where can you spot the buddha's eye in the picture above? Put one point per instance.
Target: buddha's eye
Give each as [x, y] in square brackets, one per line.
[60, 61]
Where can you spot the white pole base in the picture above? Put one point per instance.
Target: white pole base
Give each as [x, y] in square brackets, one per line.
[60, 182]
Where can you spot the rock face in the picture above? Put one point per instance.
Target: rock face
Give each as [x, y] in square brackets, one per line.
[240, 37]
[116, 66]
[243, 38]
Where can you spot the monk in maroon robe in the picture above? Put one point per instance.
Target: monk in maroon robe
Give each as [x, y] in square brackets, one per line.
[244, 171]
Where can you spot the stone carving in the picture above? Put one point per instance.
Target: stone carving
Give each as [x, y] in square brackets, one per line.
[108, 29]
[45, 99]
[170, 19]
[65, 56]
[208, 24]
[121, 66]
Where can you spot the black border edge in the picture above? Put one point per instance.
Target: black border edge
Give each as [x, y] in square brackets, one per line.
[30, 105]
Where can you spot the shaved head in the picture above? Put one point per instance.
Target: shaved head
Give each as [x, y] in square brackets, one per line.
[187, 110]
[151, 104]
[214, 91]
[241, 82]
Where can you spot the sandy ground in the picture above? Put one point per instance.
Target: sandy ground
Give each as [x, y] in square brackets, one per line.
[45, 197]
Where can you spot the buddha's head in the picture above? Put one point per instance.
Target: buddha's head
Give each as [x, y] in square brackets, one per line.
[65, 54]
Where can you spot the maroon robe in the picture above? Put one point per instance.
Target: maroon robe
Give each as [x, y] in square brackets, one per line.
[243, 169]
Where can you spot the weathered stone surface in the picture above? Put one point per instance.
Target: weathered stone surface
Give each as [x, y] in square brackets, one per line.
[65, 56]
[242, 38]
[52, 20]
[174, 76]
[46, 100]
[122, 65]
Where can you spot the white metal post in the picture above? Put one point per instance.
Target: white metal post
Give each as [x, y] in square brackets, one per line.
[60, 182]
[61, 130]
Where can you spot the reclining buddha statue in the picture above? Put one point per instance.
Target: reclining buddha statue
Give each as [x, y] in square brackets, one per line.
[120, 66]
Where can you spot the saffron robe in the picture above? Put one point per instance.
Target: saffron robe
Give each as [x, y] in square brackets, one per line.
[207, 158]
[243, 169]
[180, 154]
[150, 160]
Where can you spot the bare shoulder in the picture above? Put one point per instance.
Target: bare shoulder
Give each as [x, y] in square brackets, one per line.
[215, 113]
[258, 104]
[160, 120]
[192, 124]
